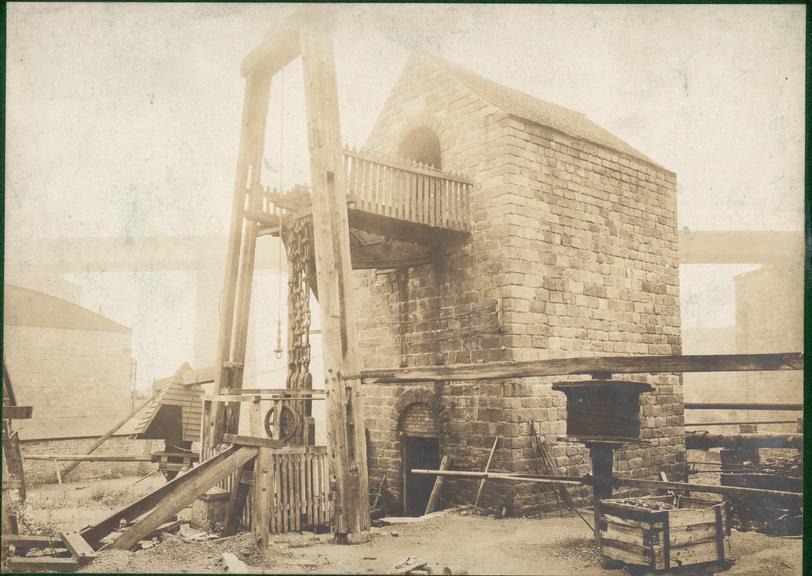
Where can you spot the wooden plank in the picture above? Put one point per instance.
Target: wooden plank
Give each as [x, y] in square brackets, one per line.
[42, 564]
[252, 441]
[236, 503]
[291, 496]
[487, 468]
[89, 458]
[695, 554]
[708, 488]
[184, 492]
[623, 552]
[589, 365]
[17, 412]
[345, 424]
[78, 546]
[771, 406]
[624, 522]
[263, 490]
[628, 534]
[691, 516]
[235, 301]
[438, 485]
[688, 535]
[27, 541]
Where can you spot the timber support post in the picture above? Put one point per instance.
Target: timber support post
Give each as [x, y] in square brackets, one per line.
[346, 438]
[602, 456]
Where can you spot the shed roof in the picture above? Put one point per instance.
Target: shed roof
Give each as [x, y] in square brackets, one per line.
[174, 394]
[530, 108]
[25, 307]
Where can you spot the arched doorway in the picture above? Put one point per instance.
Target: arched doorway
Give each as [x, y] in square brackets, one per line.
[420, 446]
[422, 145]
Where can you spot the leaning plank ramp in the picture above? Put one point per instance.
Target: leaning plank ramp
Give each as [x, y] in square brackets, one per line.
[148, 513]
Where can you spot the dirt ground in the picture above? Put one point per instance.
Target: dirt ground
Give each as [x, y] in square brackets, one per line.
[479, 544]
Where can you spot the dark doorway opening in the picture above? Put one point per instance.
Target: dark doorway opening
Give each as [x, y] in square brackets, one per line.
[418, 452]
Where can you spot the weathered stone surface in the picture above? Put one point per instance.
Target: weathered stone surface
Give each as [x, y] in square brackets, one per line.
[573, 252]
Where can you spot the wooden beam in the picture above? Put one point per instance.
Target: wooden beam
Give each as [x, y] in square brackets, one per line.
[743, 406]
[703, 440]
[77, 546]
[345, 418]
[17, 412]
[42, 564]
[282, 45]
[26, 541]
[435, 491]
[253, 441]
[89, 458]
[533, 478]
[96, 532]
[707, 488]
[403, 230]
[241, 252]
[116, 427]
[189, 487]
[263, 492]
[487, 468]
[590, 365]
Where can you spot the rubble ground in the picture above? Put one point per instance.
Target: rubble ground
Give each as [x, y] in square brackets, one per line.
[478, 544]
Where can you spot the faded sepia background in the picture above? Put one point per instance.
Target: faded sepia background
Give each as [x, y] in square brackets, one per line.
[123, 124]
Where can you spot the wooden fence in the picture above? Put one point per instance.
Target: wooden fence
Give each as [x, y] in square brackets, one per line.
[407, 190]
[300, 494]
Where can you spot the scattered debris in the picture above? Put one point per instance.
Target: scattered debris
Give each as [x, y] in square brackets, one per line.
[455, 570]
[234, 565]
[647, 503]
[407, 566]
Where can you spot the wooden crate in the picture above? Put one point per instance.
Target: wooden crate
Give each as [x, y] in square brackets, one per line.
[696, 531]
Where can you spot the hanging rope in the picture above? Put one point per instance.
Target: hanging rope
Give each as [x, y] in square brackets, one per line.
[278, 351]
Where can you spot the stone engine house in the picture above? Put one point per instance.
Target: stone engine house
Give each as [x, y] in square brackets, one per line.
[573, 251]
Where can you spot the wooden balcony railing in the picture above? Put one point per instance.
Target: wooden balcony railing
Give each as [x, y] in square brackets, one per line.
[408, 191]
[390, 188]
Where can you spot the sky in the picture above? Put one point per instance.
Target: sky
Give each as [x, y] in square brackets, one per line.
[123, 119]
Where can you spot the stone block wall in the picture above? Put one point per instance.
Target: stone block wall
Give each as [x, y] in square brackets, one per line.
[573, 252]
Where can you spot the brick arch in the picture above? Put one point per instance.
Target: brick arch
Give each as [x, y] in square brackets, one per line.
[425, 122]
[426, 396]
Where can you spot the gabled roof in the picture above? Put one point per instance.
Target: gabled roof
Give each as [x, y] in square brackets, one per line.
[24, 307]
[530, 108]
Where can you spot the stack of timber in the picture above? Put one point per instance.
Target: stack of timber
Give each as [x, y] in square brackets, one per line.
[662, 532]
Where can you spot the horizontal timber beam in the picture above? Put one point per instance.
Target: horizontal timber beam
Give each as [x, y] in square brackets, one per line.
[744, 406]
[704, 441]
[283, 45]
[590, 365]
[707, 488]
[534, 478]
[89, 457]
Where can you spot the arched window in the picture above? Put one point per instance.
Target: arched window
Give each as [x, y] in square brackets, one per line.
[421, 145]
